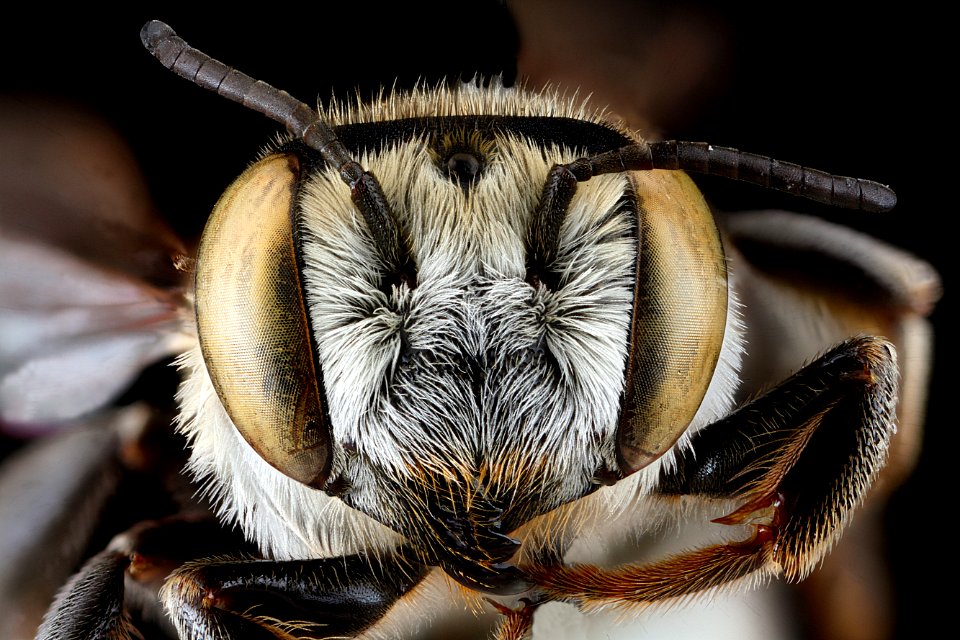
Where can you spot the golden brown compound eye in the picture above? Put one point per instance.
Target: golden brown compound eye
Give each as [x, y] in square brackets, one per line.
[679, 316]
[253, 325]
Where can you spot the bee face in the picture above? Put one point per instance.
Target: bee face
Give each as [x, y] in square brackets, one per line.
[485, 391]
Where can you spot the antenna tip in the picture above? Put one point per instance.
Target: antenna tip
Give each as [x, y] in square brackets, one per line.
[877, 198]
[153, 33]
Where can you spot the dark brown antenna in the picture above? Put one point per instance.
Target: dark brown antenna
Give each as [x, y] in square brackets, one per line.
[299, 119]
[700, 157]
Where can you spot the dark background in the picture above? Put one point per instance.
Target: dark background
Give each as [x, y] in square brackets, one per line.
[833, 88]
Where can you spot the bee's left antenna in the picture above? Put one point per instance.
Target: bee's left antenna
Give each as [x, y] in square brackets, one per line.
[176, 55]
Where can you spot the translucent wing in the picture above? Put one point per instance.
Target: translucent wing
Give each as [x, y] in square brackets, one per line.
[86, 269]
[89, 297]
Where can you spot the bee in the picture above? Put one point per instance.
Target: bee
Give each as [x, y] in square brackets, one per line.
[437, 341]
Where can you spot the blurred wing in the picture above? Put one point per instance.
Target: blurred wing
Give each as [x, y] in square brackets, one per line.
[51, 494]
[87, 295]
[807, 284]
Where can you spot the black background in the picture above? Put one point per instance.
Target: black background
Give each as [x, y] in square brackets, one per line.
[819, 85]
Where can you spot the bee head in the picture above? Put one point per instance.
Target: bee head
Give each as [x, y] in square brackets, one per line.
[411, 318]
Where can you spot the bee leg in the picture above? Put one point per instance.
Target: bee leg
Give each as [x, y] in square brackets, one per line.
[54, 487]
[515, 624]
[91, 604]
[819, 282]
[55, 496]
[241, 598]
[96, 601]
[799, 458]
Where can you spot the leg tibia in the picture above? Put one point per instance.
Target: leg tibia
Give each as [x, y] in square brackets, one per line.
[335, 597]
[90, 606]
[814, 444]
[677, 577]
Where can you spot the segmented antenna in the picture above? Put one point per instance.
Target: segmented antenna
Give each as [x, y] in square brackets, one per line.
[302, 121]
[700, 157]
[543, 237]
[299, 119]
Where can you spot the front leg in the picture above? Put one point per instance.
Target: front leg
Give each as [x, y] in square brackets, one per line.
[816, 442]
[800, 458]
[223, 597]
[236, 599]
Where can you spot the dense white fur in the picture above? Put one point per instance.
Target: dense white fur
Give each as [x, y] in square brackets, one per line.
[471, 298]
[536, 430]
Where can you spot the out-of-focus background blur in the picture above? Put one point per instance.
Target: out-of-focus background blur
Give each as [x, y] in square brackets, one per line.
[819, 85]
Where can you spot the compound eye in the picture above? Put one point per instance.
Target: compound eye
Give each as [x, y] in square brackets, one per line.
[679, 317]
[252, 322]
